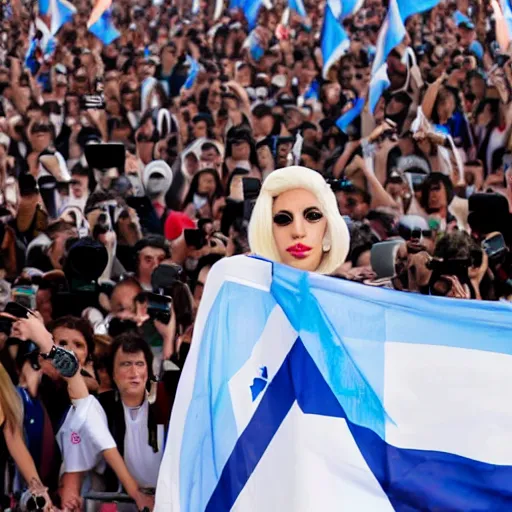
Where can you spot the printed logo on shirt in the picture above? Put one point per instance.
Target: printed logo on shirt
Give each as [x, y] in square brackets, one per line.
[75, 438]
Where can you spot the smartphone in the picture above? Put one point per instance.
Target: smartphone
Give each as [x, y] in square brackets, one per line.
[17, 310]
[383, 258]
[251, 188]
[194, 238]
[494, 246]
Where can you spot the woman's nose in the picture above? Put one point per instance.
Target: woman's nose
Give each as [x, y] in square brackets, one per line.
[298, 227]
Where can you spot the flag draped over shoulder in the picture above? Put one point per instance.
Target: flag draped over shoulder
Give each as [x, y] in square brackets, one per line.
[303, 392]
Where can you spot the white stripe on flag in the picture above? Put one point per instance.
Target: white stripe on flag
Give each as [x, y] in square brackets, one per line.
[461, 403]
[312, 464]
[269, 352]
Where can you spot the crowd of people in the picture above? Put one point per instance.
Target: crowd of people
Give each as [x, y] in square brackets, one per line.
[128, 169]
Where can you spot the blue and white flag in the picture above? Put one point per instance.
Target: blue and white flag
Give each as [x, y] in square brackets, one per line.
[308, 393]
[251, 9]
[193, 70]
[31, 61]
[298, 7]
[392, 34]
[61, 12]
[378, 84]
[104, 28]
[334, 40]
[196, 7]
[345, 120]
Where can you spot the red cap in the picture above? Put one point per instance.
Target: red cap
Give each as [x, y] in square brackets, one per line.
[175, 223]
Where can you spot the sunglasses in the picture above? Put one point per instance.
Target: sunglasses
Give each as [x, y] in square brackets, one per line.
[286, 218]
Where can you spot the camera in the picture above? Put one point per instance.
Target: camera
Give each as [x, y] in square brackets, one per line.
[251, 191]
[439, 285]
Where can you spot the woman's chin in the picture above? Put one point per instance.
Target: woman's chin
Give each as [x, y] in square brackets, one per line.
[309, 263]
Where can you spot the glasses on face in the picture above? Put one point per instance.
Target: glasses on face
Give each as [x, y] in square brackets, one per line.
[285, 218]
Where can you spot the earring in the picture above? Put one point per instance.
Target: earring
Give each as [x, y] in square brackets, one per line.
[326, 245]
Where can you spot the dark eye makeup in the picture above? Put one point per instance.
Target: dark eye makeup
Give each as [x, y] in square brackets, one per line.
[284, 218]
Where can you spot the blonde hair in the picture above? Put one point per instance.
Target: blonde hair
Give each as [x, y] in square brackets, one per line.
[10, 403]
[261, 239]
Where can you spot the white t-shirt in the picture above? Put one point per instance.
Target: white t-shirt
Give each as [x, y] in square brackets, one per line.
[142, 463]
[84, 436]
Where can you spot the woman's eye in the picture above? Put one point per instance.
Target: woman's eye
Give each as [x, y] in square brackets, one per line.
[313, 216]
[283, 219]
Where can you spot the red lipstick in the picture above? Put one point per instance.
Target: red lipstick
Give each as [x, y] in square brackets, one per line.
[299, 251]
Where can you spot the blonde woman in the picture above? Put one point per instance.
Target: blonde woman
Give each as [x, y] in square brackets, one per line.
[11, 439]
[296, 222]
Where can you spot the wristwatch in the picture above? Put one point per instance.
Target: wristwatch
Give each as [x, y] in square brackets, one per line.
[64, 361]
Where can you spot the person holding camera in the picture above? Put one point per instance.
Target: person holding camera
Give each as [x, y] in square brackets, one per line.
[83, 437]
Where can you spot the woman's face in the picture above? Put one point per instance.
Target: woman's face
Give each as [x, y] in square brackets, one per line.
[73, 340]
[299, 228]
[241, 151]
[206, 185]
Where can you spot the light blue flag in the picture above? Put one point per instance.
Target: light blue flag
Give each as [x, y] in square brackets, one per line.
[313, 92]
[30, 57]
[104, 28]
[350, 116]
[378, 84]
[44, 7]
[334, 40]
[61, 12]
[251, 10]
[196, 7]
[192, 72]
[350, 7]
[303, 392]
[391, 35]
[298, 7]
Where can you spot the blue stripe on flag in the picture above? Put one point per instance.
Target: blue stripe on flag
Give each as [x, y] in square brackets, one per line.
[350, 116]
[104, 28]
[413, 480]
[298, 7]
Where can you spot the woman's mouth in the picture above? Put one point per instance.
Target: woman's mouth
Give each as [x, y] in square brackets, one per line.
[299, 251]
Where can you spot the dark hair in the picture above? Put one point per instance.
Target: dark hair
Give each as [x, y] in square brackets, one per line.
[130, 343]
[76, 324]
[194, 185]
[210, 145]
[435, 178]
[79, 170]
[311, 151]
[156, 241]
[454, 246]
